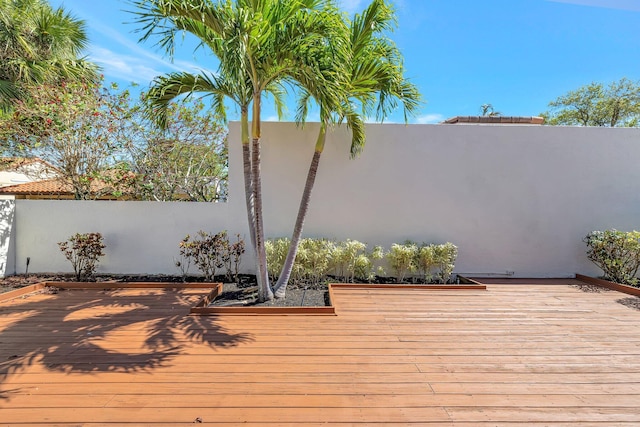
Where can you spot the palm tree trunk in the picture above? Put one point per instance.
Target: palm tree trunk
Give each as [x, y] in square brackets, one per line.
[280, 287]
[264, 290]
[248, 186]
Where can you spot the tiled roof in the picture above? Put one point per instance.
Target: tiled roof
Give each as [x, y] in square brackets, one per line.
[531, 120]
[50, 187]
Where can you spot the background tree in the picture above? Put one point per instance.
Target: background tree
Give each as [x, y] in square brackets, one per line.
[74, 127]
[100, 142]
[376, 86]
[487, 110]
[185, 160]
[38, 45]
[259, 45]
[615, 105]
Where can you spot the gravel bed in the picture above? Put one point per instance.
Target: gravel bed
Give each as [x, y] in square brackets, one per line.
[245, 294]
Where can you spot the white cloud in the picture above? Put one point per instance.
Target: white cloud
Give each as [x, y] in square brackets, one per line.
[125, 67]
[133, 47]
[429, 119]
[633, 5]
[188, 66]
[273, 118]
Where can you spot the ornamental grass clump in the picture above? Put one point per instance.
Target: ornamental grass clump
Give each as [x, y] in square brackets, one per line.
[365, 268]
[425, 261]
[276, 250]
[312, 261]
[430, 261]
[445, 258]
[350, 260]
[83, 251]
[617, 253]
[401, 259]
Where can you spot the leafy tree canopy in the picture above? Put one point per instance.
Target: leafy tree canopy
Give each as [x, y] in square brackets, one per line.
[101, 143]
[38, 44]
[614, 105]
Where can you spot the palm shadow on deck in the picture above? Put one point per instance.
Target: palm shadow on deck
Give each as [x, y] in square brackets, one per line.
[93, 331]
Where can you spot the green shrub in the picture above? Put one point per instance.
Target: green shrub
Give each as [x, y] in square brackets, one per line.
[445, 258]
[234, 258]
[425, 261]
[83, 251]
[276, 254]
[617, 253]
[349, 260]
[343, 257]
[312, 260]
[401, 259]
[210, 252]
[365, 268]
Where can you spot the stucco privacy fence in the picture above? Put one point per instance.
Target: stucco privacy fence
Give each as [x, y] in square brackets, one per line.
[517, 200]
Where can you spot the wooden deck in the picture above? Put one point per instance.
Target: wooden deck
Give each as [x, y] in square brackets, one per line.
[531, 353]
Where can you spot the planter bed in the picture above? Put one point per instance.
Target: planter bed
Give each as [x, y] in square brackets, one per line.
[102, 286]
[204, 306]
[631, 290]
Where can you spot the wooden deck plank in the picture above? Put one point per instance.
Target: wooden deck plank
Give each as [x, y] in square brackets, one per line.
[536, 352]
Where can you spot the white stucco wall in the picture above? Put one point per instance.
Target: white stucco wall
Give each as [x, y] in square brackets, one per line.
[141, 237]
[513, 198]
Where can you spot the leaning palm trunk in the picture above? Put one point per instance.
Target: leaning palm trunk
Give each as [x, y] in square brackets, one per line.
[280, 287]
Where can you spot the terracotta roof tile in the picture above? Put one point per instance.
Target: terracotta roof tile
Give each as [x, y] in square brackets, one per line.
[530, 120]
[49, 187]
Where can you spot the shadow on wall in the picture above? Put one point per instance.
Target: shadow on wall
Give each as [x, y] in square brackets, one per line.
[7, 246]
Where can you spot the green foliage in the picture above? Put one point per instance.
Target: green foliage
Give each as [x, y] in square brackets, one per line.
[349, 260]
[595, 104]
[617, 253]
[316, 258]
[487, 110]
[312, 261]
[401, 259]
[365, 268]
[186, 160]
[445, 259]
[343, 258]
[276, 254]
[39, 45]
[211, 252]
[101, 143]
[425, 261]
[83, 251]
[429, 260]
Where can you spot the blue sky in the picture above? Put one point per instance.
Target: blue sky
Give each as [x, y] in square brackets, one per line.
[517, 55]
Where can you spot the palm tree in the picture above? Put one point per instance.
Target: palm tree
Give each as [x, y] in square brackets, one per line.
[261, 45]
[166, 89]
[487, 110]
[376, 83]
[38, 45]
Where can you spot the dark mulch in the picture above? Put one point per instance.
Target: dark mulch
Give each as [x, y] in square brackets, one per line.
[246, 294]
[591, 288]
[16, 282]
[632, 302]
